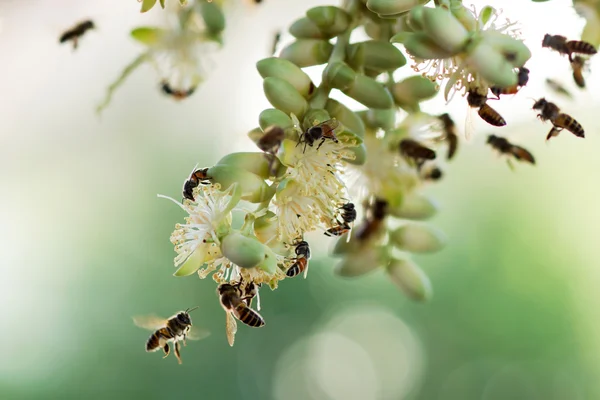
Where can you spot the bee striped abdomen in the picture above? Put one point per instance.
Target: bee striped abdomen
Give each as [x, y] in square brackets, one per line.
[298, 267]
[569, 123]
[248, 316]
[581, 47]
[157, 339]
[491, 116]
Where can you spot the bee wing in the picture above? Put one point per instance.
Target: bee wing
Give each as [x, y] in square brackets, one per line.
[151, 322]
[469, 124]
[230, 327]
[197, 333]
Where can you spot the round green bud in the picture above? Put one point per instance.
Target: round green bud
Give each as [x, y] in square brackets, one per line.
[388, 7]
[213, 16]
[274, 117]
[492, 66]
[284, 96]
[346, 116]
[329, 19]
[369, 92]
[418, 238]
[253, 188]
[269, 263]
[148, 35]
[339, 75]
[412, 90]
[363, 262]
[314, 116]
[307, 52]
[414, 19]
[513, 50]
[288, 71]
[261, 164]
[445, 30]
[422, 46]
[304, 28]
[379, 56]
[415, 206]
[244, 251]
[410, 279]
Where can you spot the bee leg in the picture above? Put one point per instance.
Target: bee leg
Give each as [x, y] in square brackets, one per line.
[184, 337]
[510, 164]
[320, 144]
[75, 43]
[177, 353]
[167, 350]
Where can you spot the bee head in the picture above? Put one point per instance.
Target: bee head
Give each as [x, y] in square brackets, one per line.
[539, 104]
[547, 40]
[184, 318]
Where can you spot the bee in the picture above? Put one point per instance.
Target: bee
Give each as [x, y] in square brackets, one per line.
[197, 177]
[550, 112]
[348, 215]
[175, 93]
[172, 330]
[432, 174]
[450, 134]
[373, 222]
[487, 113]
[577, 65]
[301, 264]
[505, 147]
[232, 298]
[558, 88]
[271, 140]
[522, 79]
[412, 150]
[324, 130]
[76, 32]
[568, 47]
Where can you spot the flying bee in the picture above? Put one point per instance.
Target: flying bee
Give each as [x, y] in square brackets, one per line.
[505, 147]
[558, 88]
[348, 215]
[175, 93]
[578, 65]
[487, 113]
[232, 298]
[324, 130]
[522, 79]
[568, 47]
[172, 330]
[301, 264]
[76, 32]
[412, 150]
[373, 221]
[271, 140]
[450, 134]
[550, 112]
[197, 177]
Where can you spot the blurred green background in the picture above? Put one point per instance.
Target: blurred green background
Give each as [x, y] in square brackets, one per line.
[85, 242]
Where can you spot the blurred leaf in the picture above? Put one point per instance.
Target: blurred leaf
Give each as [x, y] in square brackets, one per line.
[147, 35]
[116, 84]
[162, 4]
[486, 13]
[147, 5]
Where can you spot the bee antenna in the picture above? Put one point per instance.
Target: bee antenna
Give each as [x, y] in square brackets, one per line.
[189, 310]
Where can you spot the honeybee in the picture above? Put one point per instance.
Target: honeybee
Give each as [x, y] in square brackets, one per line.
[450, 134]
[550, 112]
[76, 32]
[568, 47]
[412, 150]
[487, 113]
[324, 130]
[522, 79]
[348, 215]
[577, 65]
[558, 88]
[175, 93]
[301, 264]
[174, 329]
[196, 177]
[505, 147]
[232, 298]
[271, 140]
[373, 221]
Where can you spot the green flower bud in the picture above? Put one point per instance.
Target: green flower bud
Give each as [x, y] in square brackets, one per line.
[363, 262]
[288, 71]
[513, 51]
[387, 7]
[260, 164]
[421, 46]
[329, 19]
[492, 66]
[284, 96]
[265, 230]
[147, 5]
[307, 52]
[194, 261]
[360, 155]
[274, 117]
[384, 118]
[339, 75]
[213, 16]
[373, 30]
[148, 35]
[369, 92]
[269, 263]
[410, 279]
[591, 31]
[346, 116]
[244, 251]
[304, 28]
[253, 188]
[414, 19]
[401, 37]
[313, 117]
[415, 206]
[418, 238]
[464, 16]
[409, 92]
[379, 56]
[445, 30]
